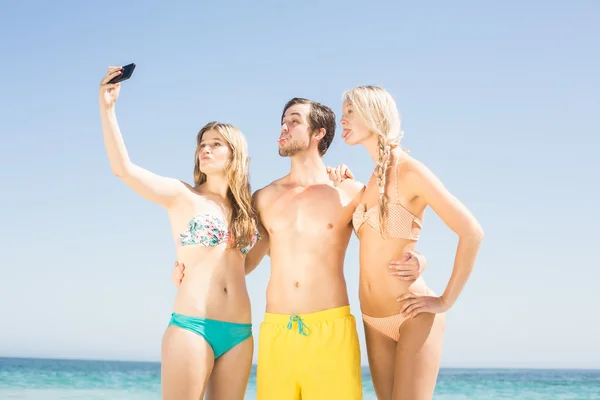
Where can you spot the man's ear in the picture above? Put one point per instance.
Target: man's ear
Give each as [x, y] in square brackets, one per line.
[320, 134]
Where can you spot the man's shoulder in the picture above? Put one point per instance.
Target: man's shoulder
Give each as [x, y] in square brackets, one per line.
[350, 187]
[268, 190]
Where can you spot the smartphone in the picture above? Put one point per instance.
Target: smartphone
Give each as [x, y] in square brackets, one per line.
[125, 74]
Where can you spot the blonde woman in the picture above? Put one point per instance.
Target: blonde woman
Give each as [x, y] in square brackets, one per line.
[207, 346]
[404, 320]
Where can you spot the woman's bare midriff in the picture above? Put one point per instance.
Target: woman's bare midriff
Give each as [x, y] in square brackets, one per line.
[214, 284]
[378, 290]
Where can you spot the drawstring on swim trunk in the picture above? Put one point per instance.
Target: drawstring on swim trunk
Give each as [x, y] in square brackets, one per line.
[301, 325]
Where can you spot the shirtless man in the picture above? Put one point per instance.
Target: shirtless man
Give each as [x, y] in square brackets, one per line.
[308, 344]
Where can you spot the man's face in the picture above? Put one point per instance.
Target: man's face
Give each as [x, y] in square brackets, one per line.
[295, 130]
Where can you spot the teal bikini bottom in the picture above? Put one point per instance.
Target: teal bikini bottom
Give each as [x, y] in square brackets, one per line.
[222, 336]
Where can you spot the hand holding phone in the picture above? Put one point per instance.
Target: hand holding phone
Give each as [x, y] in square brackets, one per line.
[125, 74]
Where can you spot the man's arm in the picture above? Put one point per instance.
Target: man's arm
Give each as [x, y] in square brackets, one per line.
[258, 252]
[409, 267]
[262, 246]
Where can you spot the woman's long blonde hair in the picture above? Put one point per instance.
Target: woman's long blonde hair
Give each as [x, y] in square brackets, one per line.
[242, 220]
[377, 109]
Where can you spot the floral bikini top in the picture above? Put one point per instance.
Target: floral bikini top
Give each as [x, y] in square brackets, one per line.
[209, 230]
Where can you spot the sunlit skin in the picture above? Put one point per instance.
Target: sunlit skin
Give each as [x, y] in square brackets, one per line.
[306, 226]
[407, 369]
[215, 285]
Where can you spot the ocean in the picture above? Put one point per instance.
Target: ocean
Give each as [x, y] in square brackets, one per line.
[48, 379]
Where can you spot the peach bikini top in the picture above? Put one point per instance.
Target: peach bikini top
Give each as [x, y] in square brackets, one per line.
[401, 223]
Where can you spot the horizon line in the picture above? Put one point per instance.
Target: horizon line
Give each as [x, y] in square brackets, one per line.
[254, 364]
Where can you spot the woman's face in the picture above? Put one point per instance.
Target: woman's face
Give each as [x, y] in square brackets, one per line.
[214, 154]
[355, 131]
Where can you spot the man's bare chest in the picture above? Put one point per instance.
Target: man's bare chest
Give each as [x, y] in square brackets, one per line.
[304, 210]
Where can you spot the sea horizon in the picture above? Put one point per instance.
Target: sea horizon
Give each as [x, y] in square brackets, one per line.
[141, 361]
[28, 378]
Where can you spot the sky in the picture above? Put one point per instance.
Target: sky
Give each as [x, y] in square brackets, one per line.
[501, 101]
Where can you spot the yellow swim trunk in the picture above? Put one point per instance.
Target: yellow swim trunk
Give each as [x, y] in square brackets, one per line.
[309, 356]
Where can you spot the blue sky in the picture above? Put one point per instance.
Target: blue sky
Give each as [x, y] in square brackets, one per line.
[500, 101]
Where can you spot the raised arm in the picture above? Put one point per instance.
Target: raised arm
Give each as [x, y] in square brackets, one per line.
[158, 189]
[261, 248]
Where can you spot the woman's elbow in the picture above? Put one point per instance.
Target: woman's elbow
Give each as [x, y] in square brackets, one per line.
[476, 232]
[473, 232]
[120, 170]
